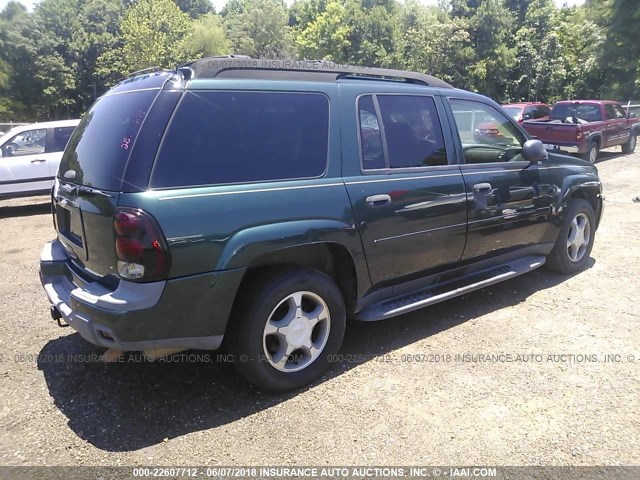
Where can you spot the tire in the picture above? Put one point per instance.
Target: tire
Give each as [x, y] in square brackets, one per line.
[592, 154]
[572, 249]
[289, 300]
[630, 146]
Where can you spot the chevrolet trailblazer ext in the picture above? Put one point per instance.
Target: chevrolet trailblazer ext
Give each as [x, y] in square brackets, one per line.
[260, 203]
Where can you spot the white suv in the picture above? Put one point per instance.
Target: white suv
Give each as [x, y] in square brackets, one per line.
[30, 156]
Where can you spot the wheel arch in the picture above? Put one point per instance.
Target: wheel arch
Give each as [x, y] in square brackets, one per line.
[597, 138]
[585, 189]
[332, 259]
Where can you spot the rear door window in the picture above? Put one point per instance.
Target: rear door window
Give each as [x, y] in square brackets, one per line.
[231, 137]
[61, 136]
[411, 135]
[99, 147]
[412, 131]
[370, 136]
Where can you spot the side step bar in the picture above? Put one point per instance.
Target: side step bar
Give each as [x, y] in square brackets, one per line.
[445, 291]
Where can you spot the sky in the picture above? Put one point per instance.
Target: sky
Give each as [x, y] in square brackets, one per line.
[220, 3]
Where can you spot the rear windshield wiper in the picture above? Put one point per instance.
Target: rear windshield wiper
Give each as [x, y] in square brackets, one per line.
[83, 189]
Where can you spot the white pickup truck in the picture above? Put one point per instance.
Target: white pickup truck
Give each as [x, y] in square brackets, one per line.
[30, 156]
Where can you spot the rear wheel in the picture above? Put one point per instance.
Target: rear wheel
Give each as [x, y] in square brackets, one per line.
[289, 324]
[575, 241]
[592, 154]
[630, 146]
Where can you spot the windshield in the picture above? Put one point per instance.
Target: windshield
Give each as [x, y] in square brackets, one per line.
[99, 148]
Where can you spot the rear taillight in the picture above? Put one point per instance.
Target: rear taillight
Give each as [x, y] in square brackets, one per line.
[140, 246]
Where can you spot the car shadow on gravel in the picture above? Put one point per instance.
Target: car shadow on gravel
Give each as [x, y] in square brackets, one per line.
[134, 404]
[7, 211]
[605, 155]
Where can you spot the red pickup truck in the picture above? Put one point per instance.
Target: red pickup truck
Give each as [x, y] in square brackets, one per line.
[585, 127]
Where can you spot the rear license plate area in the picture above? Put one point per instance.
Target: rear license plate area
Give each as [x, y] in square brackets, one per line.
[70, 228]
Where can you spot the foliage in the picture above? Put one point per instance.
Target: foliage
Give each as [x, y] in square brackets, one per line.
[195, 8]
[56, 60]
[151, 34]
[259, 28]
[207, 37]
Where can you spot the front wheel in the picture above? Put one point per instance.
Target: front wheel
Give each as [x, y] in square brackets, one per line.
[575, 241]
[630, 146]
[289, 324]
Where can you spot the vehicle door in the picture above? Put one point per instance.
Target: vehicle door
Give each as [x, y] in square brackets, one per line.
[406, 191]
[624, 124]
[24, 163]
[508, 201]
[614, 125]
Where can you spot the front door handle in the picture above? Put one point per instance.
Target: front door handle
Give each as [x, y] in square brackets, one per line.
[38, 160]
[482, 187]
[378, 200]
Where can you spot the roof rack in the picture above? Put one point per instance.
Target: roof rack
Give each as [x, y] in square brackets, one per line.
[239, 66]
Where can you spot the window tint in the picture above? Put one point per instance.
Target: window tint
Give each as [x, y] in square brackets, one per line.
[610, 111]
[99, 147]
[529, 113]
[587, 112]
[61, 137]
[31, 142]
[412, 131]
[541, 111]
[228, 137]
[486, 134]
[370, 138]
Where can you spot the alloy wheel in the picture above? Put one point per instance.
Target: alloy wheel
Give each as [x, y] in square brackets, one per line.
[578, 237]
[296, 331]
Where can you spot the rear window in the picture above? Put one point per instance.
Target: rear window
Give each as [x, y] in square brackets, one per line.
[513, 112]
[588, 112]
[231, 137]
[99, 147]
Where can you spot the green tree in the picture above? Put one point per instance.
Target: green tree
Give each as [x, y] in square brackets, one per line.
[373, 33]
[620, 54]
[152, 31]
[207, 37]
[490, 29]
[433, 42]
[259, 28]
[325, 37]
[195, 8]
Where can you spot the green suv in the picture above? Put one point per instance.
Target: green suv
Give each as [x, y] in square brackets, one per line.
[260, 203]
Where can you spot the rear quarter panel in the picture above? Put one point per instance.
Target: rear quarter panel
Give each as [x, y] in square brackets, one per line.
[221, 227]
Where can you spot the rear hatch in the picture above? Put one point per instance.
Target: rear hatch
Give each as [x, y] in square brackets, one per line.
[93, 172]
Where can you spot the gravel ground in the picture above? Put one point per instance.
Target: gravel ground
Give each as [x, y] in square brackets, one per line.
[559, 403]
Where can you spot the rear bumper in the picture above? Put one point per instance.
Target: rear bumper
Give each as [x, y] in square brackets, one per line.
[189, 312]
[582, 148]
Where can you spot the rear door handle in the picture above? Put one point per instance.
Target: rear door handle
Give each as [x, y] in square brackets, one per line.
[38, 160]
[378, 200]
[482, 187]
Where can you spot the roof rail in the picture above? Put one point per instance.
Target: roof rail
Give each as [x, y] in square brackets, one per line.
[144, 70]
[234, 65]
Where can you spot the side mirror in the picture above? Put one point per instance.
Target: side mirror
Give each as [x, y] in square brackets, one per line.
[527, 116]
[533, 151]
[632, 115]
